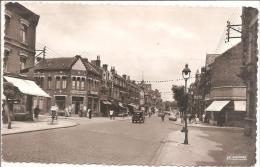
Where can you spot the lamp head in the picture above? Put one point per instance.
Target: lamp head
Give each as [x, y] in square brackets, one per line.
[186, 72]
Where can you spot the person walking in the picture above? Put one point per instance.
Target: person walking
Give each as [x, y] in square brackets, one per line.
[162, 116]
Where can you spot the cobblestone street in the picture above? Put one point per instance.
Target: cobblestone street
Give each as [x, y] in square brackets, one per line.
[122, 142]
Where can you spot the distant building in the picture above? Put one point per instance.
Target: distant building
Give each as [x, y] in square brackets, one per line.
[210, 58]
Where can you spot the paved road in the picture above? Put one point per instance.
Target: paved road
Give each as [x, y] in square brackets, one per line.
[109, 142]
[122, 142]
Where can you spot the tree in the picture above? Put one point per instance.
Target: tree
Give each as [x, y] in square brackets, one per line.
[180, 97]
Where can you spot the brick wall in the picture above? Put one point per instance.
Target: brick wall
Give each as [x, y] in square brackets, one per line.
[226, 68]
[13, 39]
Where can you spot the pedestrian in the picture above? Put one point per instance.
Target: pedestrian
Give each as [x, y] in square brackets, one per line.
[36, 111]
[111, 112]
[203, 117]
[89, 113]
[162, 116]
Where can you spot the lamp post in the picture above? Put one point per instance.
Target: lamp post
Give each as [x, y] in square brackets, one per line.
[186, 75]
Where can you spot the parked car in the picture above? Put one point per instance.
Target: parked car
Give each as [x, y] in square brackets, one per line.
[173, 117]
[138, 116]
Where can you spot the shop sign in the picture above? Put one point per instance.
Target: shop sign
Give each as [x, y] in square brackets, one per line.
[93, 92]
[78, 92]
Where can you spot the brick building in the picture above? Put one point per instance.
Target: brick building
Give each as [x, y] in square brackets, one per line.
[19, 39]
[19, 53]
[248, 69]
[71, 82]
[227, 91]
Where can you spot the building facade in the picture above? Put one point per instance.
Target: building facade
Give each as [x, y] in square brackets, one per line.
[72, 83]
[19, 39]
[248, 69]
[19, 53]
[227, 92]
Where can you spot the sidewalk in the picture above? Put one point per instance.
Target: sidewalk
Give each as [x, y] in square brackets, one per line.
[206, 147]
[205, 125]
[43, 123]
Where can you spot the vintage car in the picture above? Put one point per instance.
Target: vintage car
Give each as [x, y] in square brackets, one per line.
[173, 117]
[138, 116]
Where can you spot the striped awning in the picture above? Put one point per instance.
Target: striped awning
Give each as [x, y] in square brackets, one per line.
[217, 105]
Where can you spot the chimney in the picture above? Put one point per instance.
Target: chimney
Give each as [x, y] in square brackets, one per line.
[113, 70]
[128, 78]
[98, 61]
[105, 67]
[124, 76]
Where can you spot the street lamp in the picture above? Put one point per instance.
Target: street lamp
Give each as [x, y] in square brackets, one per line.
[186, 75]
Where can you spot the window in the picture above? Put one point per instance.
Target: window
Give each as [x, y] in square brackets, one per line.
[23, 32]
[7, 22]
[6, 54]
[42, 82]
[58, 82]
[73, 83]
[49, 83]
[78, 83]
[64, 82]
[83, 83]
[22, 62]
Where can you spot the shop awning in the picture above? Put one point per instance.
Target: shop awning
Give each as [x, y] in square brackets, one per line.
[217, 105]
[106, 102]
[27, 86]
[132, 105]
[121, 105]
[240, 105]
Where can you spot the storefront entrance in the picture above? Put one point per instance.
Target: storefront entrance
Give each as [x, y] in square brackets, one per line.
[77, 104]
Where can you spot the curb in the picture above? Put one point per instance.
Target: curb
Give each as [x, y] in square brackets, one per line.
[159, 150]
[213, 127]
[76, 124]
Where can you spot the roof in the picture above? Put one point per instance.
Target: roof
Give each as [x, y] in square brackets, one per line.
[61, 63]
[90, 66]
[22, 11]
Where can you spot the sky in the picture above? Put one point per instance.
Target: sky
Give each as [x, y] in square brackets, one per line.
[149, 42]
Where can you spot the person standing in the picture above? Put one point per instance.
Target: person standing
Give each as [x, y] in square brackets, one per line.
[111, 113]
[89, 113]
[36, 111]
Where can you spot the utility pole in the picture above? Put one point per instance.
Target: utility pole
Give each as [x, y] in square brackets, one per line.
[234, 27]
[41, 51]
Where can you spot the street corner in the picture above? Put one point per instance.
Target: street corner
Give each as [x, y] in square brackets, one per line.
[24, 127]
